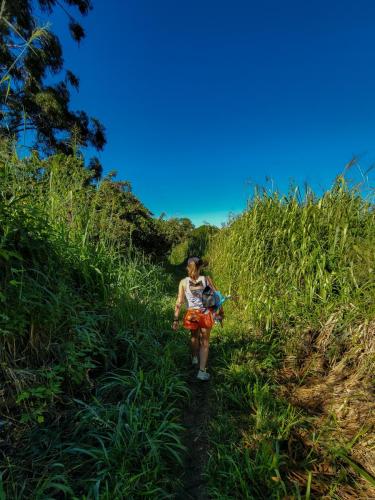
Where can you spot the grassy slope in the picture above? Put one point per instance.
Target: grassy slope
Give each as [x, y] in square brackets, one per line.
[91, 389]
[294, 365]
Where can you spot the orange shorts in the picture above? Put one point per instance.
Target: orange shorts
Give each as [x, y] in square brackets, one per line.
[195, 319]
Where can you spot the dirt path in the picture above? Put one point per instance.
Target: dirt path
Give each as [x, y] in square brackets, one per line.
[196, 420]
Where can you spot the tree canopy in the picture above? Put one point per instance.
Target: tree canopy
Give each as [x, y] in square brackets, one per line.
[29, 101]
[175, 229]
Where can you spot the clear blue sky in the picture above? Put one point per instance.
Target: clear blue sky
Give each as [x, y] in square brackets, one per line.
[202, 98]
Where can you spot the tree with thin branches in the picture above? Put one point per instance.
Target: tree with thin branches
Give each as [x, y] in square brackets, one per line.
[28, 55]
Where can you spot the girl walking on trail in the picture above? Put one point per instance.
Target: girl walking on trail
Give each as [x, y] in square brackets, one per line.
[197, 319]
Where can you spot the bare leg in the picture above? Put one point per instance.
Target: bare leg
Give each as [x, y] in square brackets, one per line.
[194, 342]
[204, 343]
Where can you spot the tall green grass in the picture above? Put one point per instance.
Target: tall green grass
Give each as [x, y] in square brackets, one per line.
[294, 264]
[91, 390]
[295, 259]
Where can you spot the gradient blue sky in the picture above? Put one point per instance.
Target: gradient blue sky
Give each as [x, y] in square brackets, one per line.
[201, 99]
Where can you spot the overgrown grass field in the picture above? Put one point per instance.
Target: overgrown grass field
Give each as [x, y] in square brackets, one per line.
[93, 380]
[295, 364]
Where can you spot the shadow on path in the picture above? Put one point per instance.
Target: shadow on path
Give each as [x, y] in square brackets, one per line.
[196, 420]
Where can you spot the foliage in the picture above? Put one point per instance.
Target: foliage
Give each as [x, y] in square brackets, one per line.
[294, 391]
[28, 54]
[107, 211]
[91, 389]
[293, 260]
[251, 427]
[199, 240]
[176, 230]
[195, 244]
[124, 218]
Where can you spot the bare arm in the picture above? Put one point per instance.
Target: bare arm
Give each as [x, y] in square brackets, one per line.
[211, 283]
[179, 303]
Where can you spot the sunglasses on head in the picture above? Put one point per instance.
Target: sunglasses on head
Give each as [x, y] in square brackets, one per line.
[196, 260]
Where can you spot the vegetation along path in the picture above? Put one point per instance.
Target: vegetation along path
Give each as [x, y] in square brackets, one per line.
[96, 400]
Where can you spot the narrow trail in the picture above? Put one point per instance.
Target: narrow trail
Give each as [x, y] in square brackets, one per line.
[196, 420]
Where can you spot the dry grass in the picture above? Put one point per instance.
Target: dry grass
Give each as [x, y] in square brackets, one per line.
[341, 399]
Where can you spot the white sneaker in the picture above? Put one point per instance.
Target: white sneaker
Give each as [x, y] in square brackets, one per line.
[203, 375]
[194, 360]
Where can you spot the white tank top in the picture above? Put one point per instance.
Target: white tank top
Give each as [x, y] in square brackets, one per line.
[193, 292]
